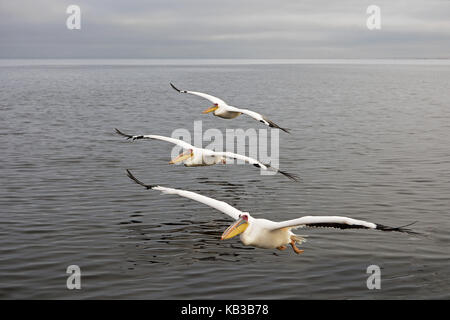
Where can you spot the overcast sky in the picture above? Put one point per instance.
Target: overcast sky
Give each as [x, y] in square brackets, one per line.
[224, 29]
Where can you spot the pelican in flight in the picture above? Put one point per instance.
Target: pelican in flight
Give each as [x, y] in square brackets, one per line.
[223, 110]
[195, 157]
[267, 234]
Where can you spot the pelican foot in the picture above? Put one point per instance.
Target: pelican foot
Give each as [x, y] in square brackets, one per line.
[282, 248]
[294, 247]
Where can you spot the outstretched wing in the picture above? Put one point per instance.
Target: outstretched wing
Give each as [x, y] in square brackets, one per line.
[203, 95]
[335, 222]
[181, 143]
[252, 161]
[216, 204]
[218, 101]
[259, 117]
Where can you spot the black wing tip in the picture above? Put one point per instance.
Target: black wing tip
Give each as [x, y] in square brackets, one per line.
[398, 229]
[129, 136]
[136, 180]
[175, 88]
[291, 176]
[283, 129]
[274, 125]
[123, 134]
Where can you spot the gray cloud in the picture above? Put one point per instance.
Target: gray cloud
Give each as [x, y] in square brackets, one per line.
[224, 29]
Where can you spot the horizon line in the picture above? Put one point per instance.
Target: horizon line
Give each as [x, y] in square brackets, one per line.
[11, 62]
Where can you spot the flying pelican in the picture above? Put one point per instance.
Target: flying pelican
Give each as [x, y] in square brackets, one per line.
[223, 110]
[195, 157]
[267, 234]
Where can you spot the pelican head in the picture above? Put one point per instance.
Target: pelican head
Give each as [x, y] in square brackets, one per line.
[213, 108]
[182, 157]
[236, 228]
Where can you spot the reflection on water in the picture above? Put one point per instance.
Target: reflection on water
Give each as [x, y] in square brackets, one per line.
[368, 141]
[190, 241]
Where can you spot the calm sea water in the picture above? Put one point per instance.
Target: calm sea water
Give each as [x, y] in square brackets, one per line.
[370, 141]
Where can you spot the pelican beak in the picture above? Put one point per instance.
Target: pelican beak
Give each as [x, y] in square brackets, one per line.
[213, 108]
[235, 229]
[182, 157]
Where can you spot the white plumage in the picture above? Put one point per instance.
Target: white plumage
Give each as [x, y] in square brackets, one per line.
[194, 156]
[223, 110]
[263, 233]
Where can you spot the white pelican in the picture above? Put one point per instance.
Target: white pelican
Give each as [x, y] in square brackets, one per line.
[223, 110]
[195, 157]
[266, 234]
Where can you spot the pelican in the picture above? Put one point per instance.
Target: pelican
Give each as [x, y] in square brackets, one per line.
[195, 157]
[267, 234]
[223, 110]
